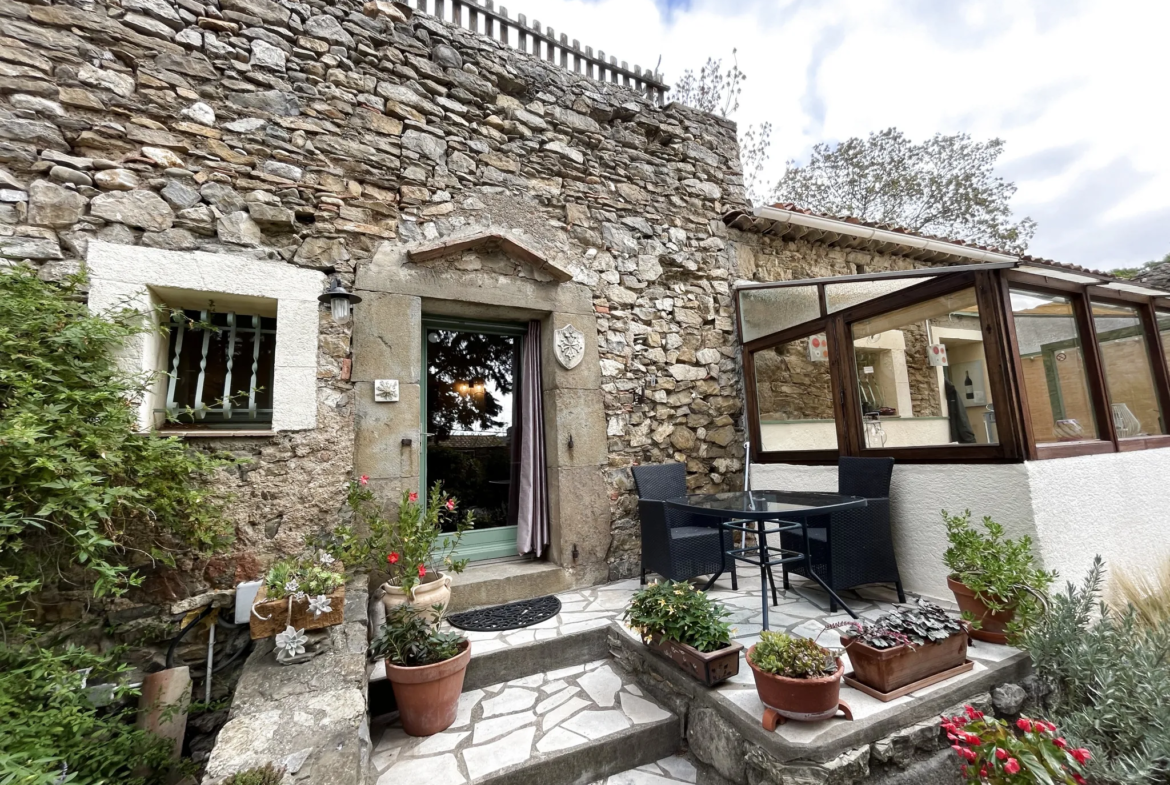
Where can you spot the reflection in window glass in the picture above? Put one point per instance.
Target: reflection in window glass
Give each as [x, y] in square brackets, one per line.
[840, 296]
[1129, 377]
[1059, 405]
[922, 374]
[767, 311]
[795, 396]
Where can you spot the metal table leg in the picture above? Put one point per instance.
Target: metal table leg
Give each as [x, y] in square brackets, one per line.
[813, 574]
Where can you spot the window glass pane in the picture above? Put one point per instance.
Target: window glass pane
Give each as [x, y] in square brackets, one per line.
[767, 311]
[1129, 377]
[1164, 329]
[840, 296]
[1059, 404]
[922, 374]
[795, 396]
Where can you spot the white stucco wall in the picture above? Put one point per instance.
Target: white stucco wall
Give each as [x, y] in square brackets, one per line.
[129, 276]
[1115, 505]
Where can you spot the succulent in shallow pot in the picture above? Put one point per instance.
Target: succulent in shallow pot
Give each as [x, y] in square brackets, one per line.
[906, 625]
[792, 657]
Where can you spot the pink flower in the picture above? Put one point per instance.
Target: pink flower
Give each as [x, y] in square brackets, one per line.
[392, 558]
[1001, 753]
[1060, 742]
[1024, 724]
[973, 740]
[969, 755]
[973, 713]
[1081, 755]
[413, 497]
[422, 571]
[364, 479]
[450, 504]
[1012, 766]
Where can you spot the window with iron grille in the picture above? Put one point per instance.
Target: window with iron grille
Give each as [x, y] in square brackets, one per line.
[220, 369]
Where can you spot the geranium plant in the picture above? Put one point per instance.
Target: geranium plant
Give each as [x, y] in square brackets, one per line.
[677, 611]
[1002, 572]
[910, 625]
[995, 753]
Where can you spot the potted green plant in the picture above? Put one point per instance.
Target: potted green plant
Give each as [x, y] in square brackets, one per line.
[305, 592]
[425, 667]
[995, 580]
[796, 679]
[684, 625]
[906, 647]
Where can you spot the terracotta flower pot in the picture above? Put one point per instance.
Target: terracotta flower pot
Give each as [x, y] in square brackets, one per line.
[993, 626]
[422, 596]
[708, 667]
[428, 695]
[804, 700]
[886, 670]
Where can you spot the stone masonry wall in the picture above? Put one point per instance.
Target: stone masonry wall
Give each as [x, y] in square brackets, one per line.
[311, 134]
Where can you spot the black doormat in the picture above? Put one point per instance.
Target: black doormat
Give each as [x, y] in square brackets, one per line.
[513, 616]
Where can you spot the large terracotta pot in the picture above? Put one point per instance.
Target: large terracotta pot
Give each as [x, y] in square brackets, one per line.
[804, 700]
[428, 695]
[422, 596]
[886, 670]
[993, 626]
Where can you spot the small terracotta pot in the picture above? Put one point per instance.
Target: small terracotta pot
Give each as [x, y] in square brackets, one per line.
[993, 626]
[422, 596]
[805, 700]
[889, 669]
[428, 695]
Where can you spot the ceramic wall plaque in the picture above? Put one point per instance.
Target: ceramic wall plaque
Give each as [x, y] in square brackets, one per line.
[569, 346]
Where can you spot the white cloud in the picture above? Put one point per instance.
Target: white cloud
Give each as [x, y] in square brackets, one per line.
[1075, 88]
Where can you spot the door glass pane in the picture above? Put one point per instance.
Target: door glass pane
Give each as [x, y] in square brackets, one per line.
[1129, 377]
[767, 311]
[795, 396]
[922, 374]
[472, 413]
[1049, 344]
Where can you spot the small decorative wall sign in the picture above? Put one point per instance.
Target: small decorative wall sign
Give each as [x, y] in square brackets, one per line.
[937, 355]
[818, 349]
[386, 390]
[569, 346]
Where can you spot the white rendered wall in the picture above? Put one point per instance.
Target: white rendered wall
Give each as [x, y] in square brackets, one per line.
[127, 275]
[1116, 505]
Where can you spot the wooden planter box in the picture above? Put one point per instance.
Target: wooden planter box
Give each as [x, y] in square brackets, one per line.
[708, 667]
[888, 670]
[269, 617]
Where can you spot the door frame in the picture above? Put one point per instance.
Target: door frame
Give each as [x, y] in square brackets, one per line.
[487, 543]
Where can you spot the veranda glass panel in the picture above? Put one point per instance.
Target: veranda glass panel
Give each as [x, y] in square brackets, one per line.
[1164, 329]
[767, 311]
[1129, 376]
[1049, 343]
[922, 374]
[840, 296]
[795, 396]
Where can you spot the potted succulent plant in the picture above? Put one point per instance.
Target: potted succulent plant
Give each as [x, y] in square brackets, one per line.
[684, 625]
[305, 592]
[425, 667]
[907, 646]
[796, 679]
[995, 580]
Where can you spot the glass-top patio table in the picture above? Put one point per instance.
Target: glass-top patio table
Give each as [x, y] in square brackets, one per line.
[750, 512]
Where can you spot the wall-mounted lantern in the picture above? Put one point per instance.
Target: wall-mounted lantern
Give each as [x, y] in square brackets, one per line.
[340, 301]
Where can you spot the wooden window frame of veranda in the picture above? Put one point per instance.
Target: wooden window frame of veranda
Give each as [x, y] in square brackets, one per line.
[992, 283]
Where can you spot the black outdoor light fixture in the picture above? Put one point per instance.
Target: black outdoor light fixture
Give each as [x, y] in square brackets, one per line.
[339, 300]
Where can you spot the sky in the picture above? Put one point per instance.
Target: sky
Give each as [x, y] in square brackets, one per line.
[1076, 88]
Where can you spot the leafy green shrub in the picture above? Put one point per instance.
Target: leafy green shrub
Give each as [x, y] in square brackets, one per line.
[679, 612]
[409, 638]
[1110, 682]
[796, 658]
[80, 491]
[260, 775]
[50, 728]
[913, 625]
[1002, 572]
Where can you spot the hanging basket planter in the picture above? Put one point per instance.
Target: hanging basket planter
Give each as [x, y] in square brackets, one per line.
[272, 616]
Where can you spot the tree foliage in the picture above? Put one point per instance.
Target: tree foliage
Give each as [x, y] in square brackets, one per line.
[467, 371]
[83, 497]
[1141, 269]
[945, 186]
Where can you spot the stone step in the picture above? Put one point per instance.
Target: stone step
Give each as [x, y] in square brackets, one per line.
[496, 583]
[675, 770]
[569, 726]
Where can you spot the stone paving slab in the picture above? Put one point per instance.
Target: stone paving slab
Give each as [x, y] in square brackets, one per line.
[675, 770]
[526, 722]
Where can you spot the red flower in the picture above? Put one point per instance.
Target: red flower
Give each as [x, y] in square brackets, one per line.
[1078, 779]
[983, 771]
[413, 497]
[963, 769]
[1060, 742]
[422, 571]
[1001, 753]
[1081, 755]
[970, 755]
[974, 740]
[1024, 724]
[1012, 766]
[392, 558]
[364, 479]
[973, 713]
[450, 504]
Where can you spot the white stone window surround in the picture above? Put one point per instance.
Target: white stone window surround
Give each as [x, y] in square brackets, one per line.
[135, 276]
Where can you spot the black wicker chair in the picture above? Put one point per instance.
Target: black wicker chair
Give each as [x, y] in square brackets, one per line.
[855, 547]
[675, 544]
